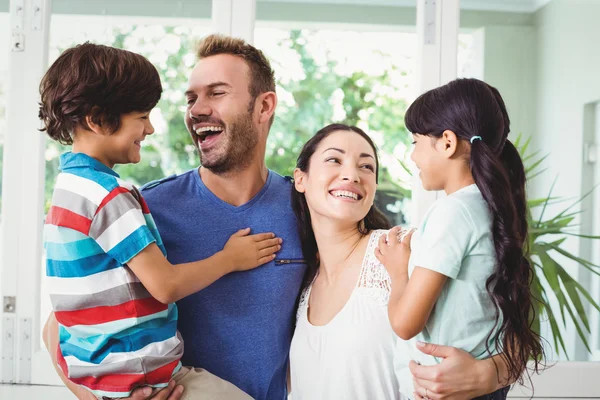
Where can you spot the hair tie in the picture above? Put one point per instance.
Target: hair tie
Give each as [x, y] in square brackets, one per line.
[474, 138]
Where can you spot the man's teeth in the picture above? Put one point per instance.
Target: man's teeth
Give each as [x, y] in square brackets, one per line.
[345, 193]
[208, 129]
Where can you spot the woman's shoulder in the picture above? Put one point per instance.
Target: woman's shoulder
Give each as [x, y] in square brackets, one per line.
[374, 278]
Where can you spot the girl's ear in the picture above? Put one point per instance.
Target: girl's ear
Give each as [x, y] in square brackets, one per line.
[299, 180]
[448, 143]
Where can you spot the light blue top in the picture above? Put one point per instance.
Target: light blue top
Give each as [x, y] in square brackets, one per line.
[455, 239]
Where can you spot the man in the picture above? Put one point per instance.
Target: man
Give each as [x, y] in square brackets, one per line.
[240, 327]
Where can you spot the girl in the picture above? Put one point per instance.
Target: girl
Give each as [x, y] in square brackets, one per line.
[469, 281]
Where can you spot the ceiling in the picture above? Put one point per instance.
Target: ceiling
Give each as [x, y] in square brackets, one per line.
[490, 5]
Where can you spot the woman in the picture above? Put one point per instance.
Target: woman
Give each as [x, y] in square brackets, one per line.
[343, 346]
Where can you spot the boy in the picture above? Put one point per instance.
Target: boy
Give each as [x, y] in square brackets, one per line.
[112, 289]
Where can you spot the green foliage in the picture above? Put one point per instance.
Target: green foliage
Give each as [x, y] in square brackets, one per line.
[316, 97]
[546, 238]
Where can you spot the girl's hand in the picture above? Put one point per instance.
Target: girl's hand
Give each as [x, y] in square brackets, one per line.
[394, 251]
[244, 252]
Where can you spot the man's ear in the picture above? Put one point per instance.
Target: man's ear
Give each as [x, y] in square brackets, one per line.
[266, 102]
[448, 143]
[299, 180]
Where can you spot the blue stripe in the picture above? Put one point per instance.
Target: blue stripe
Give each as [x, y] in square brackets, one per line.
[82, 267]
[127, 343]
[129, 247]
[73, 251]
[107, 181]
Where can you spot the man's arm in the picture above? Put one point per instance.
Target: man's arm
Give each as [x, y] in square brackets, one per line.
[50, 336]
[459, 375]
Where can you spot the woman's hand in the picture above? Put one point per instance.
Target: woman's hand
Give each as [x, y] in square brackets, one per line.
[459, 376]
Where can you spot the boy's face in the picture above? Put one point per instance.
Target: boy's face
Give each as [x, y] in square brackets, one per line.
[124, 145]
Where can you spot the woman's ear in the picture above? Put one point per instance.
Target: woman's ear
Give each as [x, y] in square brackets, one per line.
[448, 143]
[299, 180]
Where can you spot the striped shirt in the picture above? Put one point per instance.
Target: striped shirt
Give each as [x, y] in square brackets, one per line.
[113, 335]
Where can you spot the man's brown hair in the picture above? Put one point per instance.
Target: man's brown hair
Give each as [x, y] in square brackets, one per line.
[262, 77]
[100, 81]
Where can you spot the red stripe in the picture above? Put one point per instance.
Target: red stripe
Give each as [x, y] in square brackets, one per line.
[60, 360]
[114, 193]
[145, 208]
[59, 216]
[126, 382]
[103, 314]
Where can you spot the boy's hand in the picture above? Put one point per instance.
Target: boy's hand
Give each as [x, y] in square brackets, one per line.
[244, 252]
[394, 251]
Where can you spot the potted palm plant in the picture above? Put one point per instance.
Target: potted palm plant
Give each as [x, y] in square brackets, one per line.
[546, 237]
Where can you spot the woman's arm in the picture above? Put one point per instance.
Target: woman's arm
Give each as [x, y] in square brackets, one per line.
[459, 375]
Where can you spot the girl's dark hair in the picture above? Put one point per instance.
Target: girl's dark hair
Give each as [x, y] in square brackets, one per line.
[470, 107]
[373, 220]
[100, 81]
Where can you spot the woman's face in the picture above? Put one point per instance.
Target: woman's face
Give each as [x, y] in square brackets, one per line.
[341, 180]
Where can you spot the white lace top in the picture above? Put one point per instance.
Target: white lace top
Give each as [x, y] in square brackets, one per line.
[352, 356]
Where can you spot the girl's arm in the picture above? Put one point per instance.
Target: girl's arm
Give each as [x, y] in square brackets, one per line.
[411, 301]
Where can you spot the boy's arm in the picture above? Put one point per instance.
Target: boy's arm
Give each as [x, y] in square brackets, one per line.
[168, 283]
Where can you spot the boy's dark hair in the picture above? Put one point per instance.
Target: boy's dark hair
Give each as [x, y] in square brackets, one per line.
[100, 81]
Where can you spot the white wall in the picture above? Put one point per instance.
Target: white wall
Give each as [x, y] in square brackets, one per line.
[568, 77]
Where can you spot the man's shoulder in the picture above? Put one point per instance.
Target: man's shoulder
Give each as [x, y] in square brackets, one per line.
[166, 184]
[279, 180]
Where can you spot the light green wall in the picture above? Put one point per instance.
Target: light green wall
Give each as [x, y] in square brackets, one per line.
[509, 65]
[150, 8]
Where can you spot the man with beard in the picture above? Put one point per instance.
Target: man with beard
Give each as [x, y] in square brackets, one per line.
[240, 327]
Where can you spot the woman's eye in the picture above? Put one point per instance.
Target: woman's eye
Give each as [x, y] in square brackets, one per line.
[369, 167]
[413, 143]
[333, 160]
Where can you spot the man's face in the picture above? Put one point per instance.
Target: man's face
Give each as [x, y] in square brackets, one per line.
[220, 113]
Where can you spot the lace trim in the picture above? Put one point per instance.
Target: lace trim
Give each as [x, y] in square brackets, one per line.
[374, 279]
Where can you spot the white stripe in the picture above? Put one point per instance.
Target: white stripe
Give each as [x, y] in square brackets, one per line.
[84, 187]
[125, 184]
[121, 228]
[153, 349]
[90, 284]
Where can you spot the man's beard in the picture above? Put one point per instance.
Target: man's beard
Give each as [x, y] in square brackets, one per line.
[237, 151]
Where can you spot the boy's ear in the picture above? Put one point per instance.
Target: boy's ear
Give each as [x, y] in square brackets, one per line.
[93, 126]
[448, 143]
[299, 180]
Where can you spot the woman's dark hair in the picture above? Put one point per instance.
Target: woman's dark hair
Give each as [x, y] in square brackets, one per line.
[373, 220]
[470, 108]
[100, 81]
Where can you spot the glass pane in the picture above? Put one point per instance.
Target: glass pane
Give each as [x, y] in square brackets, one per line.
[544, 60]
[358, 76]
[169, 45]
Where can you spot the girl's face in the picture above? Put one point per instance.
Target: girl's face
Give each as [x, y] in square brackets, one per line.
[341, 180]
[431, 159]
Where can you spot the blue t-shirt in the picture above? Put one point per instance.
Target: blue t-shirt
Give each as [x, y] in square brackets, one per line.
[240, 327]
